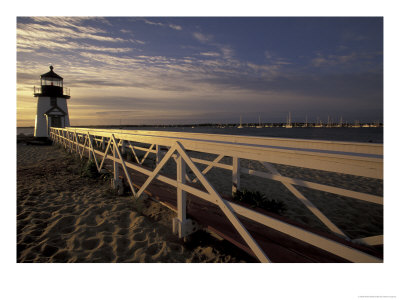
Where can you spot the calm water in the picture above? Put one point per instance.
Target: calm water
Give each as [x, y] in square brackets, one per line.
[372, 135]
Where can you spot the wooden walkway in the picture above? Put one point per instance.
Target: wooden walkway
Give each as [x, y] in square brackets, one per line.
[278, 246]
[270, 237]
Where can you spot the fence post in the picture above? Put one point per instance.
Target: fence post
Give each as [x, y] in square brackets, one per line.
[90, 143]
[181, 195]
[77, 142]
[181, 225]
[115, 164]
[103, 144]
[123, 145]
[158, 154]
[65, 139]
[69, 141]
[116, 182]
[235, 174]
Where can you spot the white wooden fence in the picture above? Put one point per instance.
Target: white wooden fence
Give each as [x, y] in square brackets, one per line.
[360, 159]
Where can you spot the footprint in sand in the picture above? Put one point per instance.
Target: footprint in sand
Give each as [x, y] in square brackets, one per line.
[106, 227]
[63, 225]
[99, 220]
[176, 248]
[45, 216]
[140, 255]
[29, 257]
[122, 245]
[122, 231]
[67, 210]
[24, 216]
[67, 230]
[139, 237]
[36, 232]
[108, 239]
[103, 254]
[90, 244]
[27, 239]
[20, 248]
[124, 221]
[61, 256]
[49, 250]
[66, 221]
[157, 250]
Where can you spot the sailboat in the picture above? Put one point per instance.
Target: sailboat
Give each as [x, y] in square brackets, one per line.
[240, 126]
[329, 125]
[340, 123]
[259, 123]
[376, 124]
[305, 124]
[289, 122]
[318, 124]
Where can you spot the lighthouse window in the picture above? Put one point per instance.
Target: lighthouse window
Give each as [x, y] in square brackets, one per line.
[52, 82]
[53, 101]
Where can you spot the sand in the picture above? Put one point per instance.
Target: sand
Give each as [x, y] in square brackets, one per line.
[64, 217]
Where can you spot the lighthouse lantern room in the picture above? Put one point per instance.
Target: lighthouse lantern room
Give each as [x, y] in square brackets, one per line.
[52, 110]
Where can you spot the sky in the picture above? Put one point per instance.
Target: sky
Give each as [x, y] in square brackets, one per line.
[184, 70]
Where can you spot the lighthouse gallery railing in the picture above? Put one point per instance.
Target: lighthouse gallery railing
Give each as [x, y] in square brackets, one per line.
[360, 159]
[38, 90]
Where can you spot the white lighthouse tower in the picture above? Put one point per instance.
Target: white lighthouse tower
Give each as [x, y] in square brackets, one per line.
[52, 110]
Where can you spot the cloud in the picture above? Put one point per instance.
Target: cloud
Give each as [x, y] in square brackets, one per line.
[360, 58]
[318, 61]
[175, 27]
[62, 31]
[268, 55]
[227, 51]
[353, 36]
[212, 54]
[331, 60]
[53, 34]
[263, 68]
[274, 59]
[203, 38]
[69, 22]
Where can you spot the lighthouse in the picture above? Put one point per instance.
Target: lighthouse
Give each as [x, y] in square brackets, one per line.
[52, 109]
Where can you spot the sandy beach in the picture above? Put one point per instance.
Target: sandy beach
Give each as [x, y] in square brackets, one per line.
[64, 217]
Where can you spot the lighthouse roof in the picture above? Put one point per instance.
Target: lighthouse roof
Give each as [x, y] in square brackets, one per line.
[51, 74]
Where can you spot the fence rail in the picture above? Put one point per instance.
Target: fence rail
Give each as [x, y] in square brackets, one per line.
[359, 159]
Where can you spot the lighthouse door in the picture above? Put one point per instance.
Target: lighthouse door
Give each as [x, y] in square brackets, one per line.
[56, 121]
